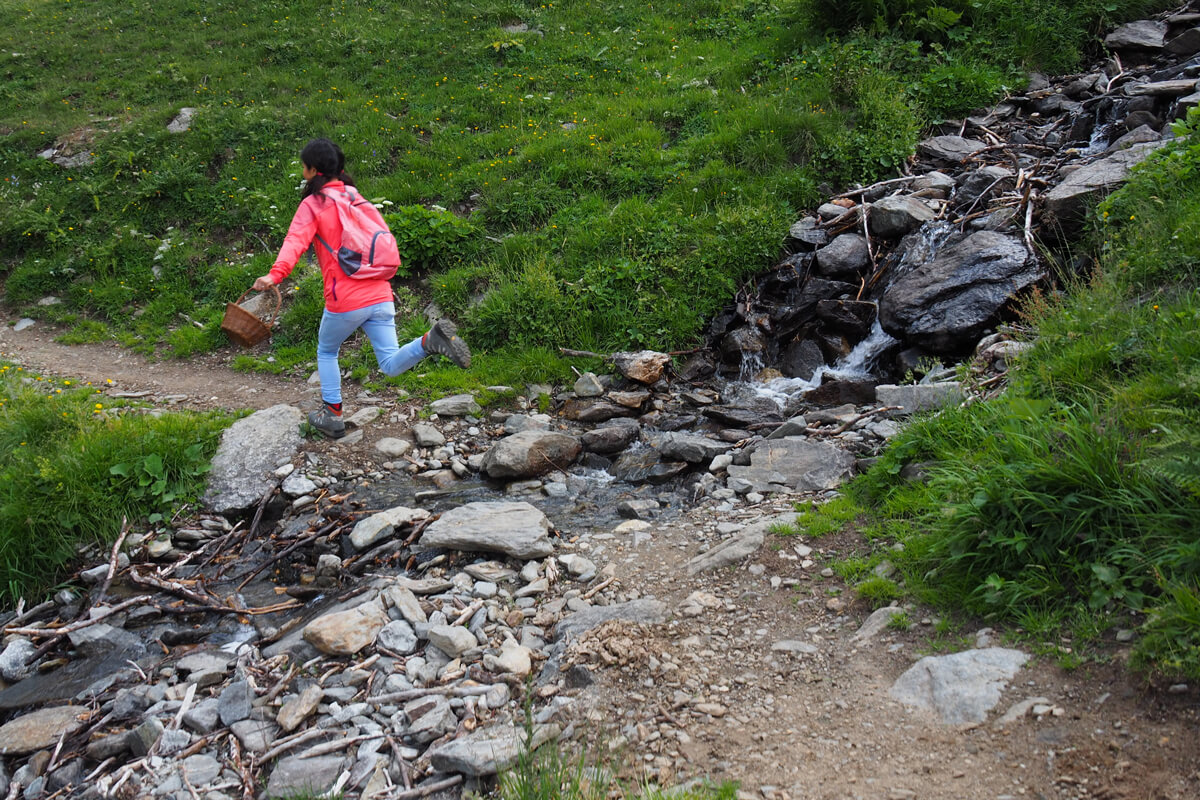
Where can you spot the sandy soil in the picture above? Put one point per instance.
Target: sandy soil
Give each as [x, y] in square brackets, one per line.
[706, 695]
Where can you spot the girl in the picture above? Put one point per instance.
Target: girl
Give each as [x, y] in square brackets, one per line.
[350, 304]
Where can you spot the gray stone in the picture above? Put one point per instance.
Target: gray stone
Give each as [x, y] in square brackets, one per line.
[297, 485]
[515, 423]
[203, 717]
[234, 702]
[377, 527]
[453, 640]
[795, 647]
[243, 468]
[427, 435]
[950, 149]
[612, 437]
[879, 619]
[39, 730]
[808, 231]
[1143, 34]
[13, 666]
[486, 751]
[182, 121]
[892, 217]
[429, 718]
[144, 736]
[406, 603]
[987, 180]
[1186, 44]
[792, 464]
[459, 405]
[741, 545]
[689, 447]
[795, 426]
[844, 257]
[588, 385]
[1070, 201]
[297, 709]
[946, 303]
[915, 398]
[391, 447]
[313, 776]
[529, 454]
[398, 637]
[935, 184]
[364, 416]
[201, 770]
[644, 611]
[173, 741]
[801, 359]
[256, 735]
[961, 687]
[513, 528]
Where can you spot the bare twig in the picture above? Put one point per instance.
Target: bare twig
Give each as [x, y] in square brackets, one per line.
[78, 626]
[413, 694]
[598, 588]
[426, 790]
[112, 563]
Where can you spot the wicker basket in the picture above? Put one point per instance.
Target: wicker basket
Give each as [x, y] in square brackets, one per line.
[243, 327]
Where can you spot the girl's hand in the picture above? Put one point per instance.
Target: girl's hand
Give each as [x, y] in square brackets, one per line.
[263, 283]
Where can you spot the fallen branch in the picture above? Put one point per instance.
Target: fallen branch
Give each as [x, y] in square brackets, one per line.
[850, 423]
[78, 626]
[413, 694]
[337, 744]
[112, 563]
[424, 791]
[595, 590]
[283, 745]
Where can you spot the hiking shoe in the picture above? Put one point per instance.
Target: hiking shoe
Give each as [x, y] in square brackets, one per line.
[443, 339]
[327, 422]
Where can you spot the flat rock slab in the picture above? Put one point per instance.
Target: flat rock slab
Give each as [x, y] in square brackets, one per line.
[741, 545]
[645, 612]
[962, 687]
[295, 776]
[516, 529]
[483, 752]
[250, 450]
[1070, 200]
[39, 730]
[792, 464]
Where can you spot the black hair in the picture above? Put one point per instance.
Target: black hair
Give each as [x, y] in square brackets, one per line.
[328, 160]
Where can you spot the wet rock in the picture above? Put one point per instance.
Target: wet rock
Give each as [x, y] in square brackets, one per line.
[742, 344]
[945, 304]
[40, 729]
[612, 437]
[666, 471]
[516, 529]
[692, 448]
[377, 527]
[844, 257]
[961, 687]
[838, 392]
[851, 317]
[892, 217]
[638, 509]
[792, 464]
[802, 359]
[743, 417]
[1144, 34]
[594, 409]
[1186, 44]
[531, 453]
[984, 181]
[459, 405]
[643, 366]
[346, 632]
[250, 449]
[294, 775]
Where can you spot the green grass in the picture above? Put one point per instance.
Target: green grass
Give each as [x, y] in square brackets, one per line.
[74, 465]
[1073, 499]
[626, 165]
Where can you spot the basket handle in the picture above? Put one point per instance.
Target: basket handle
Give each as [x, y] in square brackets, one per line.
[278, 304]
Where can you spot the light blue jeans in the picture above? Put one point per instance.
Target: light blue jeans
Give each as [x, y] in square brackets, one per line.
[379, 324]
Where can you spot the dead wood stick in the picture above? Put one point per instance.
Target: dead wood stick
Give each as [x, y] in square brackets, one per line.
[864, 189]
[850, 423]
[413, 694]
[112, 563]
[468, 612]
[292, 741]
[581, 353]
[78, 626]
[595, 590]
[866, 212]
[173, 587]
[243, 770]
[405, 767]
[279, 686]
[426, 790]
[279, 557]
[337, 744]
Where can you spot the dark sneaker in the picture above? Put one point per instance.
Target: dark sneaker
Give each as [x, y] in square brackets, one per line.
[443, 339]
[327, 423]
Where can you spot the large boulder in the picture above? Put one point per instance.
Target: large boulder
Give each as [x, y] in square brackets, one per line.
[612, 437]
[792, 464]
[945, 304]
[1144, 34]
[893, 217]
[643, 366]
[1069, 201]
[250, 450]
[515, 529]
[689, 447]
[962, 687]
[530, 453]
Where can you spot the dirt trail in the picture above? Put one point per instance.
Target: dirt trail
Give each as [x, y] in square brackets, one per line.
[711, 694]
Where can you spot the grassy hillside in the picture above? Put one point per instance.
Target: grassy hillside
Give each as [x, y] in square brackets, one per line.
[624, 165]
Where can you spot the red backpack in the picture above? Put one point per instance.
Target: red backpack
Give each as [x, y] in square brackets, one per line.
[368, 250]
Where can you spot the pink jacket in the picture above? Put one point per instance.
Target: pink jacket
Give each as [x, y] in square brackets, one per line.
[317, 215]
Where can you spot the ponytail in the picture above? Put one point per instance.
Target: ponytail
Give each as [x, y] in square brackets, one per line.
[330, 163]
